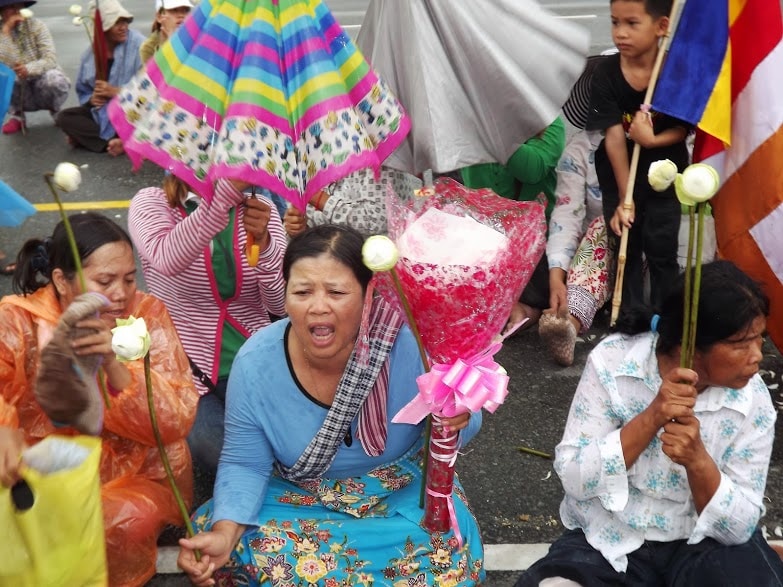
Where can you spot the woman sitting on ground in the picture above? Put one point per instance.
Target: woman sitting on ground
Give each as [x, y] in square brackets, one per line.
[581, 263]
[26, 46]
[663, 467]
[194, 258]
[137, 500]
[316, 484]
[88, 125]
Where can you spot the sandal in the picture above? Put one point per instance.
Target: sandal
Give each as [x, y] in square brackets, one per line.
[8, 269]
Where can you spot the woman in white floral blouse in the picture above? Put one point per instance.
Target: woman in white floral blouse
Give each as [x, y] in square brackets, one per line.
[664, 468]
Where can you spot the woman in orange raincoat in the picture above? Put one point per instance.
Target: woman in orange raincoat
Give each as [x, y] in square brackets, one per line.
[137, 501]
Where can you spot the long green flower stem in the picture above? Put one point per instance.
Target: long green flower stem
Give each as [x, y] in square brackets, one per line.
[77, 262]
[534, 452]
[696, 284]
[686, 308]
[692, 287]
[426, 363]
[164, 458]
[86, 28]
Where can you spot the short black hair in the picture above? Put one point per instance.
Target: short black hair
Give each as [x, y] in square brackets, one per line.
[655, 8]
[729, 301]
[341, 242]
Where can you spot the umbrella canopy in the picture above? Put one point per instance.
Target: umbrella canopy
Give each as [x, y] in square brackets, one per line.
[478, 78]
[14, 209]
[272, 92]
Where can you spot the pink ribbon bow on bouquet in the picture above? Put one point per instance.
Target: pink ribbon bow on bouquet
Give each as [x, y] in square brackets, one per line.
[466, 385]
[446, 391]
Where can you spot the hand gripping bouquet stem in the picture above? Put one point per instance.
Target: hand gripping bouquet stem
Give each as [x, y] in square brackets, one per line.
[464, 258]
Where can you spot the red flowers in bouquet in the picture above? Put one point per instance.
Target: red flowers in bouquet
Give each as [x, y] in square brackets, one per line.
[464, 258]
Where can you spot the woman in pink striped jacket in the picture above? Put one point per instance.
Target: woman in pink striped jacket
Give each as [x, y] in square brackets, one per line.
[193, 258]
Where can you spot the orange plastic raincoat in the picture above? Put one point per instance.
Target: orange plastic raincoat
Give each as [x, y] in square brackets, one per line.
[137, 500]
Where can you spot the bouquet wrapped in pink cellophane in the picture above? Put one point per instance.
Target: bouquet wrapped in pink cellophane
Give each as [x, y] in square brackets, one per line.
[465, 257]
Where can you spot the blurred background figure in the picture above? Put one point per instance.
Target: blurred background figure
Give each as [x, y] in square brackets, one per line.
[26, 46]
[88, 125]
[169, 14]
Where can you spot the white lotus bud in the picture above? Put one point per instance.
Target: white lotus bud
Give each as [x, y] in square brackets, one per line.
[77, 21]
[699, 182]
[75, 9]
[379, 253]
[67, 177]
[130, 340]
[26, 13]
[661, 174]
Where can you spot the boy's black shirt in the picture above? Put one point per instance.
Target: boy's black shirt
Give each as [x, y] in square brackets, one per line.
[614, 101]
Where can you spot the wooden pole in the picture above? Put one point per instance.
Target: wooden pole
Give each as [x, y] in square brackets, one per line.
[617, 297]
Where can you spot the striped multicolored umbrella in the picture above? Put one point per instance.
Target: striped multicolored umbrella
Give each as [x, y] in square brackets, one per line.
[272, 92]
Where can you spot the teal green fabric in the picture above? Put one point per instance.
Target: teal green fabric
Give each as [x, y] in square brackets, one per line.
[224, 269]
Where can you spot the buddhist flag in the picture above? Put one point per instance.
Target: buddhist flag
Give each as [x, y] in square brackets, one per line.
[695, 81]
[748, 209]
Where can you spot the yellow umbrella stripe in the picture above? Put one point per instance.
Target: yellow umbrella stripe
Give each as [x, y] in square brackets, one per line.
[353, 64]
[270, 93]
[312, 87]
[323, 86]
[291, 13]
[196, 78]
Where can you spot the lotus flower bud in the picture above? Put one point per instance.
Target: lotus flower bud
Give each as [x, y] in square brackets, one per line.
[77, 21]
[379, 253]
[26, 13]
[75, 9]
[661, 174]
[698, 183]
[130, 340]
[67, 177]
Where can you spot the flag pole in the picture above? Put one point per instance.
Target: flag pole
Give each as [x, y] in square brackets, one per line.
[617, 297]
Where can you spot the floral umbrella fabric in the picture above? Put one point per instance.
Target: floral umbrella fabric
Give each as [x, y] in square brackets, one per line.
[272, 92]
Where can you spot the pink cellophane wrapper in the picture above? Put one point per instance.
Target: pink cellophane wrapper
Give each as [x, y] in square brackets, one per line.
[465, 257]
[460, 306]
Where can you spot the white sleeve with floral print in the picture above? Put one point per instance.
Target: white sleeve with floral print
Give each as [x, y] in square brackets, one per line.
[577, 199]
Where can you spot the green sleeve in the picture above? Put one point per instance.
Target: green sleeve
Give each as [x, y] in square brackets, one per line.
[539, 155]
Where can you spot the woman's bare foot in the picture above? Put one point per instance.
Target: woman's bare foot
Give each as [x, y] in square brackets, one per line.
[115, 147]
[521, 312]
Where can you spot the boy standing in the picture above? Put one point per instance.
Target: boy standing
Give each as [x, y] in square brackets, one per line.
[618, 91]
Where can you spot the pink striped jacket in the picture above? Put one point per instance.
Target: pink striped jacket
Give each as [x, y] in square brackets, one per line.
[175, 252]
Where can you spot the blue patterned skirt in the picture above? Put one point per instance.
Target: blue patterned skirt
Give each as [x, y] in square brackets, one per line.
[357, 531]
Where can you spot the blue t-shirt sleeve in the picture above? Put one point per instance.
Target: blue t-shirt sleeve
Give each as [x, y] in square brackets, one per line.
[247, 459]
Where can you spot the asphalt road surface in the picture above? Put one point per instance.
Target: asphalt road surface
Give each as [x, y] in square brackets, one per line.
[515, 495]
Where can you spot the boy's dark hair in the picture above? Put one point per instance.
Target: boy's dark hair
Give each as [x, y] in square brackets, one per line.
[655, 8]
